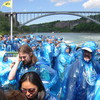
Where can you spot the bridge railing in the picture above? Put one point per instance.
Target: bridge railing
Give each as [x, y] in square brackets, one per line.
[23, 18]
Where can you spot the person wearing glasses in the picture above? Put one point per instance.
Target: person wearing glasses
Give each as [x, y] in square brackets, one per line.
[27, 61]
[81, 83]
[31, 86]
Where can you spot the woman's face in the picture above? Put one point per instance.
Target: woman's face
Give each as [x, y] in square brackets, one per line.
[29, 89]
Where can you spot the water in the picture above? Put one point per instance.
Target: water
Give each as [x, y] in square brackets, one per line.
[77, 38]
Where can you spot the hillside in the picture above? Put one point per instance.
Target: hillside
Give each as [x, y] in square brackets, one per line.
[79, 25]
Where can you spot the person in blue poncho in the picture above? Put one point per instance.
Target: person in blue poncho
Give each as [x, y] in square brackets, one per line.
[97, 55]
[81, 75]
[5, 68]
[73, 50]
[16, 43]
[50, 41]
[8, 44]
[30, 84]
[62, 61]
[27, 61]
[35, 49]
[2, 43]
[47, 51]
[37, 53]
[55, 54]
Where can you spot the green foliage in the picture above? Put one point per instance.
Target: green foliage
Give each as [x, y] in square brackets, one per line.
[79, 25]
[48, 27]
[4, 24]
[87, 27]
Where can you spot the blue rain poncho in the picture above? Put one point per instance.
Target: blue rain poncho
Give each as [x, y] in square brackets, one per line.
[50, 96]
[63, 60]
[47, 52]
[81, 77]
[37, 51]
[55, 55]
[73, 51]
[97, 55]
[16, 44]
[5, 84]
[2, 45]
[8, 45]
[48, 75]
[97, 89]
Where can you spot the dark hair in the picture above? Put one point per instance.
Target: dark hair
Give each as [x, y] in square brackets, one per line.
[77, 48]
[27, 49]
[34, 78]
[2, 95]
[69, 48]
[15, 95]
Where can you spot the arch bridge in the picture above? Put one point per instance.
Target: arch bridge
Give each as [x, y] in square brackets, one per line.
[22, 18]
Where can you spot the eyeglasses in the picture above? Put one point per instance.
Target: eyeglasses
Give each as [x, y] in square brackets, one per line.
[31, 90]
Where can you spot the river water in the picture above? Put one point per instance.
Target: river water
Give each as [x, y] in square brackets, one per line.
[77, 38]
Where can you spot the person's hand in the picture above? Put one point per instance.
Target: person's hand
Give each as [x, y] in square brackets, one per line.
[18, 58]
[12, 64]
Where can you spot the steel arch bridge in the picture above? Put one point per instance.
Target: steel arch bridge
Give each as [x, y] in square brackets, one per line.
[26, 17]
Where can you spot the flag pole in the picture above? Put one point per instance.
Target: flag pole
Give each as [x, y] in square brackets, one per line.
[11, 27]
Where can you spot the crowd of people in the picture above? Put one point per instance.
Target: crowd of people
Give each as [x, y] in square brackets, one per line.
[47, 68]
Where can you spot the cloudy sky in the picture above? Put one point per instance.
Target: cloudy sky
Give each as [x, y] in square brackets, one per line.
[52, 5]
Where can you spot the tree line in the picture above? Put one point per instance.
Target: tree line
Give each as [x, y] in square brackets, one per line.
[79, 25]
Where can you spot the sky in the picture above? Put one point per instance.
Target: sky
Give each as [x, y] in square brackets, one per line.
[52, 5]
